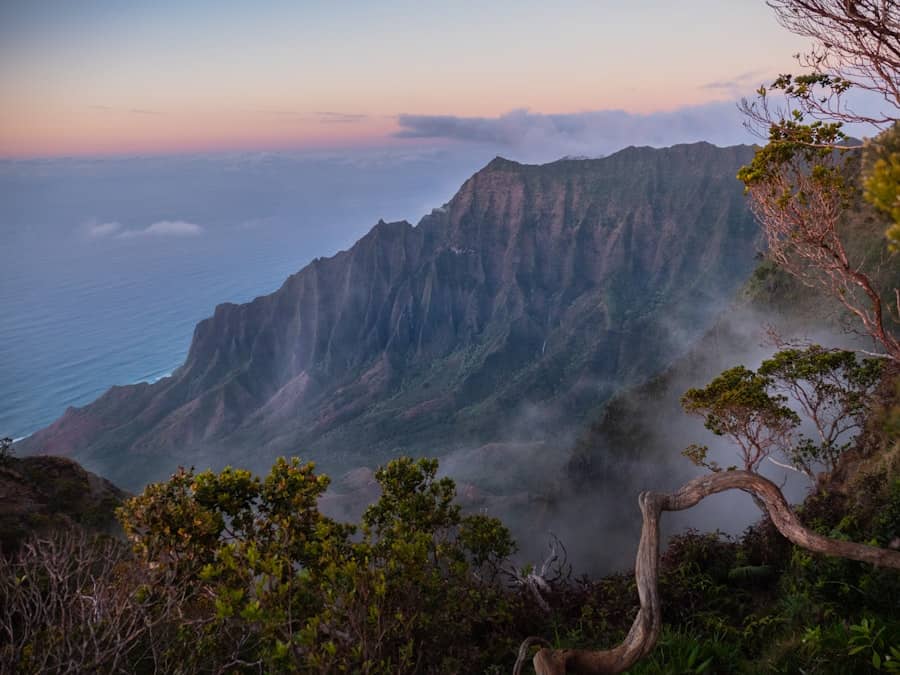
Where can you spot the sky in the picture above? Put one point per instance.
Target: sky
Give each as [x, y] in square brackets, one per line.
[105, 77]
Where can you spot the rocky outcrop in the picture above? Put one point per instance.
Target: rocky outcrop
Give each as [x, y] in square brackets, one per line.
[38, 494]
[506, 314]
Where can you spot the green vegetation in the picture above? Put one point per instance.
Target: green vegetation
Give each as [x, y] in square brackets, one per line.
[758, 603]
[233, 573]
[830, 387]
[806, 179]
[738, 404]
[229, 572]
[882, 179]
[41, 494]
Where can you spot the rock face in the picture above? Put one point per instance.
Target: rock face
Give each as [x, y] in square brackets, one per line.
[508, 313]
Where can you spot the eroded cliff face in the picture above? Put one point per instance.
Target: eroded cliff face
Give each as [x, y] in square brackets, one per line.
[507, 314]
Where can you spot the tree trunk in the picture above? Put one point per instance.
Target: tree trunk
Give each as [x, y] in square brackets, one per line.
[646, 627]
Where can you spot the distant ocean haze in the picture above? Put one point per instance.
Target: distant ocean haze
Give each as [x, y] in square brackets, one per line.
[107, 265]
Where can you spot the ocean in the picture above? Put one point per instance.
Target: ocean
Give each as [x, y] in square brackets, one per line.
[106, 265]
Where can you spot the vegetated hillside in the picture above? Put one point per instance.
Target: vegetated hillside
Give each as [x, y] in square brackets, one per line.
[645, 423]
[634, 440]
[529, 298]
[41, 494]
[247, 575]
[757, 604]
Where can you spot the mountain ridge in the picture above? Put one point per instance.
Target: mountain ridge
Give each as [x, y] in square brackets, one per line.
[534, 284]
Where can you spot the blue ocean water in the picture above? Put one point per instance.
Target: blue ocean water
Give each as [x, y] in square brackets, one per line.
[107, 265]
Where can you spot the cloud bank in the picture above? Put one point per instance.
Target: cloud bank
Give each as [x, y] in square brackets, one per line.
[591, 133]
[162, 228]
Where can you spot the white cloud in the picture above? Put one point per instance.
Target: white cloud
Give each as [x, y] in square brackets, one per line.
[103, 229]
[593, 133]
[175, 228]
[161, 228]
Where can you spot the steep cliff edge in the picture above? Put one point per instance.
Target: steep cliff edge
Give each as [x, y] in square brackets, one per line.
[509, 313]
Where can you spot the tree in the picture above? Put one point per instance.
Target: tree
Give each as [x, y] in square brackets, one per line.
[283, 588]
[645, 629]
[800, 195]
[834, 391]
[738, 404]
[432, 568]
[256, 550]
[745, 406]
[830, 387]
[801, 183]
[882, 180]
[856, 43]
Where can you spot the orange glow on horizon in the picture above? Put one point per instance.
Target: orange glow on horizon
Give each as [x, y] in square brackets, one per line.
[48, 130]
[150, 77]
[112, 132]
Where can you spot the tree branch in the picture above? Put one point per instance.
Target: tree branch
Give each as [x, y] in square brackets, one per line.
[645, 630]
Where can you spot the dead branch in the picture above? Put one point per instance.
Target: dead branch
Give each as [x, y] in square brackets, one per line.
[70, 603]
[791, 467]
[539, 581]
[645, 630]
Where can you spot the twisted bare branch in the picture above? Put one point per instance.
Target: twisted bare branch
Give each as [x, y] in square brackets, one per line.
[539, 581]
[645, 630]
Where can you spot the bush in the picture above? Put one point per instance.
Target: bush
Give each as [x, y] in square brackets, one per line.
[290, 589]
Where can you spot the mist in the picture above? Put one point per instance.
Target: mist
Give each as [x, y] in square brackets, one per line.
[531, 477]
[130, 253]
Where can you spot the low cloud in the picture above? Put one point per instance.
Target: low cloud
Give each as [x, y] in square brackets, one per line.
[175, 228]
[738, 85]
[591, 133]
[162, 228]
[329, 117]
[103, 229]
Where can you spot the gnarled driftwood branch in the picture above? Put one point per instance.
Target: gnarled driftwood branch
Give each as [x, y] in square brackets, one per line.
[646, 627]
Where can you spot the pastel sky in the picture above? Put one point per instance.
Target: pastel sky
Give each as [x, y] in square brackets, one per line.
[156, 76]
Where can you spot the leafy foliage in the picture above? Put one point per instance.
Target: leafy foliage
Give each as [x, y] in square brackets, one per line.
[881, 180]
[229, 572]
[738, 404]
[803, 181]
[285, 585]
[831, 387]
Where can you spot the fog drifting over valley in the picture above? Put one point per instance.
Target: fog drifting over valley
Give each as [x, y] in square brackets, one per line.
[129, 253]
[530, 486]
